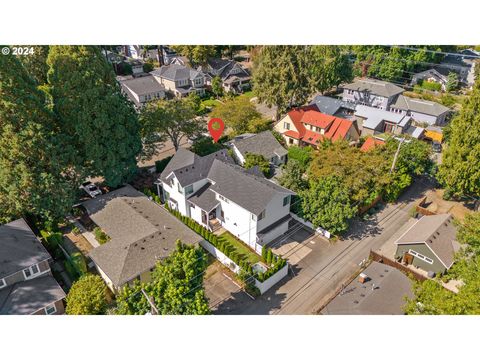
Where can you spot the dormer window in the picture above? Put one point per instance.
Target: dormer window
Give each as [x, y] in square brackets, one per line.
[31, 271]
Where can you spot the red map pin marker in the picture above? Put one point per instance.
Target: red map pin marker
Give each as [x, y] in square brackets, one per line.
[215, 127]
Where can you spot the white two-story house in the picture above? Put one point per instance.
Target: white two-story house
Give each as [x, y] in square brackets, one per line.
[180, 80]
[216, 193]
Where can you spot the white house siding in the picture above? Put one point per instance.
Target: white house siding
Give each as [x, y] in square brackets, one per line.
[274, 212]
[106, 279]
[380, 102]
[176, 195]
[196, 214]
[239, 222]
[275, 233]
[238, 155]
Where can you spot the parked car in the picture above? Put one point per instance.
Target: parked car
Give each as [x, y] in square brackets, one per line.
[437, 147]
[91, 189]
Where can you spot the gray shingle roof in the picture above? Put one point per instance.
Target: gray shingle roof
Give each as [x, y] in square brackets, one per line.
[189, 167]
[143, 85]
[19, 248]
[263, 143]
[435, 231]
[249, 191]
[330, 106]
[374, 86]
[27, 297]
[141, 233]
[204, 198]
[175, 72]
[420, 106]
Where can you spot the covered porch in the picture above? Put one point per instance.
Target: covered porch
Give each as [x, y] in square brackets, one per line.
[206, 209]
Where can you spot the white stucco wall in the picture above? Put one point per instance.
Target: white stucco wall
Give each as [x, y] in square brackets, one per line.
[272, 280]
[220, 256]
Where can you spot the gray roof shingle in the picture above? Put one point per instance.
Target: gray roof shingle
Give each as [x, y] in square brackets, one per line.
[189, 167]
[263, 143]
[249, 191]
[420, 106]
[27, 297]
[204, 198]
[176, 72]
[330, 106]
[141, 233]
[374, 86]
[435, 231]
[19, 248]
[143, 85]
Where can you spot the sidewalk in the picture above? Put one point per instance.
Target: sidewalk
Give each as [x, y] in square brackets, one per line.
[86, 234]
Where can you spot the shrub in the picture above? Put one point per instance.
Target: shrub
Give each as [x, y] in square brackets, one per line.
[301, 154]
[75, 230]
[101, 237]
[78, 261]
[72, 272]
[264, 253]
[432, 86]
[160, 165]
[269, 256]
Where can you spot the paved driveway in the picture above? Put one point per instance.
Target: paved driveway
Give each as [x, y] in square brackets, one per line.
[318, 268]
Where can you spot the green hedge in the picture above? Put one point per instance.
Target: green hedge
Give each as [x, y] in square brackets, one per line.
[275, 262]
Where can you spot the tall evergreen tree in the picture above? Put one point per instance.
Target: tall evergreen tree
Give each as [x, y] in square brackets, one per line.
[36, 63]
[32, 173]
[281, 76]
[460, 168]
[101, 126]
[330, 68]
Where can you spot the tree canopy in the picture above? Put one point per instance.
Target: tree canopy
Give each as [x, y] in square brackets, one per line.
[237, 113]
[460, 168]
[252, 160]
[33, 176]
[197, 54]
[87, 296]
[327, 204]
[331, 67]
[176, 287]
[99, 125]
[168, 120]
[281, 76]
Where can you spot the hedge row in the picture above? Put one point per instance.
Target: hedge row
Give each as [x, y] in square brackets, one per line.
[275, 262]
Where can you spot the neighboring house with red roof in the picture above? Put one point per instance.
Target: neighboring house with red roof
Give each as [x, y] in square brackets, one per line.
[371, 143]
[308, 126]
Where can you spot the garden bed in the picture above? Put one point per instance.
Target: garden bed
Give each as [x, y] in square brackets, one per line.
[240, 247]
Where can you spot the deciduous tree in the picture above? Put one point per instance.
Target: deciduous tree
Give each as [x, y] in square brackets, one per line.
[88, 296]
[236, 113]
[460, 168]
[168, 119]
[176, 287]
[252, 160]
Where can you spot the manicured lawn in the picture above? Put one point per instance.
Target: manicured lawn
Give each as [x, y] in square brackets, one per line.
[210, 102]
[241, 248]
[248, 94]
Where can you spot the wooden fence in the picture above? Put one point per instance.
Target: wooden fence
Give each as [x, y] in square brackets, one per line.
[387, 261]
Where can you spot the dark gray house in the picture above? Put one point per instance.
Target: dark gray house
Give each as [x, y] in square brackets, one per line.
[429, 244]
[234, 77]
[27, 286]
[371, 92]
[263, 143]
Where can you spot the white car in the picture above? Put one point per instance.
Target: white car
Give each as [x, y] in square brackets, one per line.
[91, 189]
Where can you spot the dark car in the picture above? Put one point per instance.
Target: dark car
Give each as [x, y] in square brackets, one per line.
[437, 147]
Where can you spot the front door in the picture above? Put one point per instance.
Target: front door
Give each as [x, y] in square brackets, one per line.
[212, 215]
[204, 217]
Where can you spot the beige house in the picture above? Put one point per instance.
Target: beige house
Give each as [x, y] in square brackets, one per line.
[141, 233]
[180, 80]
[27, 286]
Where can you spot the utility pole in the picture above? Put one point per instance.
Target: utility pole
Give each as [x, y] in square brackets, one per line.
[396, 154]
